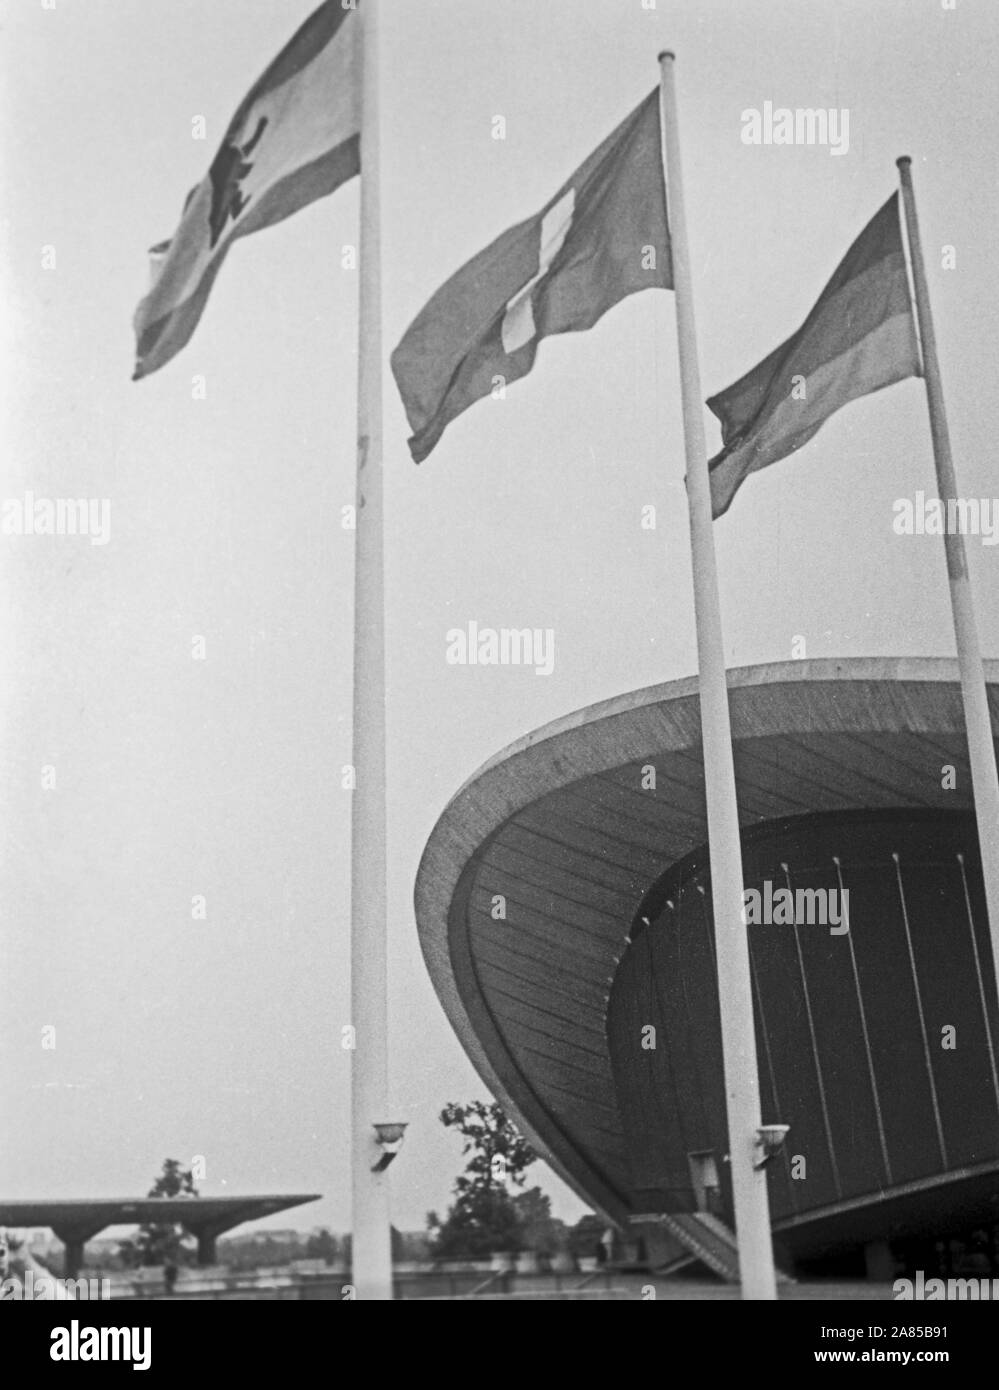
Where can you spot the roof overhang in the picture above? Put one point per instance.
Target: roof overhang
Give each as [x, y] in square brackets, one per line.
[82, 1218]
[560, 827]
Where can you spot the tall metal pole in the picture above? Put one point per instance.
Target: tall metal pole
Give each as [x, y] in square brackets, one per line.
[371, 1241]
[742, 1088]
[981, 749]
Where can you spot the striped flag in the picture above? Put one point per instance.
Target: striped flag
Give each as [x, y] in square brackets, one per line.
[859, 337]
[295, 138]
[603, 236]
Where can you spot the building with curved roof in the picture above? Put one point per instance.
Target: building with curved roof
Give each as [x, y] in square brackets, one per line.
[563, 905]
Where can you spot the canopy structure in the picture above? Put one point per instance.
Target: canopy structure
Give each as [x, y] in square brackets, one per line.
[75, 1222]
[534, 878]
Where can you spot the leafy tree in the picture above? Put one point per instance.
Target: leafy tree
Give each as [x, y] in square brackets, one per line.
[483, 1216]
[174, 1181]
[410, 1245]
[499, 1150]
[321, 1245]
[540, 1231]
[162, 1242]
[587, 1234]
[479, 1222]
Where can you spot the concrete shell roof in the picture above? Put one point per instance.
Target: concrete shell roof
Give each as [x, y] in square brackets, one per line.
[560, 826]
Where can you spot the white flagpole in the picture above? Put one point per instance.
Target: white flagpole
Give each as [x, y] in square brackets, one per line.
[371, 1240]
[742, 1090]
[981, 749]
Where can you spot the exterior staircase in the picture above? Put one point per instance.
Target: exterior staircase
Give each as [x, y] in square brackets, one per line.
[702, 1237]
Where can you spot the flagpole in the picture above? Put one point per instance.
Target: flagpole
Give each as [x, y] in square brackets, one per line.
[742, 1097]
[978, 725]
[371, 1264]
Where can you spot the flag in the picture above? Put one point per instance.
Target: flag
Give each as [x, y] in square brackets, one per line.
[603, 236]
[295, 138]
[859, 337]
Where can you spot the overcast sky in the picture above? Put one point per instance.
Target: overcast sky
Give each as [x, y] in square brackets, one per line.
[176, 777]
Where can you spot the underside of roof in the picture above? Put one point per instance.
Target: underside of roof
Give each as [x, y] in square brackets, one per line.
[93, 1215]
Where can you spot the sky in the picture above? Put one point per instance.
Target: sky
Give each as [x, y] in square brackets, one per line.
[137, 778]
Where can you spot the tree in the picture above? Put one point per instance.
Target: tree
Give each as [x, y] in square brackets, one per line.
[321, 1245]
[410, 1245]
[162, 1242]
[174, 1181]
[540, 1231]
[499, 1150]
[483, 1217]
[586, 1235]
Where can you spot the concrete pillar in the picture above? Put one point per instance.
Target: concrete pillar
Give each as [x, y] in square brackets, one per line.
[74, 1237]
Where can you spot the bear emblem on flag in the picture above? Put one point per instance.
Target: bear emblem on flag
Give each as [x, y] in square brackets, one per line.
[230, 166]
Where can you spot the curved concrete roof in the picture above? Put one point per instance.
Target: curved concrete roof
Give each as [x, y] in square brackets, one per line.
[560, 826]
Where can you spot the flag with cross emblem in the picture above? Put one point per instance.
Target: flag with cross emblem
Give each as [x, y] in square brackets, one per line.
[602, 237]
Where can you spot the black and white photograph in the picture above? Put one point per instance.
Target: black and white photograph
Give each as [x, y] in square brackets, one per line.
[499, 562]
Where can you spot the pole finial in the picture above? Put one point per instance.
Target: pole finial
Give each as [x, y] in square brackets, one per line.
[667, 53]
[904, 160]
